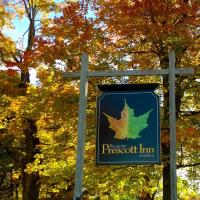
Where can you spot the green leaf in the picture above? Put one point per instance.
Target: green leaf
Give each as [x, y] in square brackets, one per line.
[129, 125]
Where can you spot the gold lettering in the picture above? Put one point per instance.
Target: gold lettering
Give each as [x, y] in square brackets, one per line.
[110, 149]
[133, 149]
[105, 148]
[146, 149]
[114, 151]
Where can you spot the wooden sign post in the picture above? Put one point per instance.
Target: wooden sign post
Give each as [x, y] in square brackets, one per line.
[84, 74]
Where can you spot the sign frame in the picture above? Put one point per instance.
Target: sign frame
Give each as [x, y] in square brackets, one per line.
[126, 91]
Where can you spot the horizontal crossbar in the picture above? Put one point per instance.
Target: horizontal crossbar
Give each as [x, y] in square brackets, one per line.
[152, 72]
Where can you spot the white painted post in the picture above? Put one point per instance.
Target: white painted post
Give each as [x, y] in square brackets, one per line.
[172, 124]
[81, 127]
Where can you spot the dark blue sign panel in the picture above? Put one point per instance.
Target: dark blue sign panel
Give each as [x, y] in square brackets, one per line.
[128, 125]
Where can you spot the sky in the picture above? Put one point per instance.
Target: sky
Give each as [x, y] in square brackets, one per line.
[19, 34]
[20, 27]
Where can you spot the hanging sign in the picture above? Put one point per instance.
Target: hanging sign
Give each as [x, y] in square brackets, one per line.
[128, 125]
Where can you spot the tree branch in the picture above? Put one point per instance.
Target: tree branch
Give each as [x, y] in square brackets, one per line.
[188, 165]
[189, 113]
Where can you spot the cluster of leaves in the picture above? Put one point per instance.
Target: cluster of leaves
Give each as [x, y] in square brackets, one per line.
[122, 35]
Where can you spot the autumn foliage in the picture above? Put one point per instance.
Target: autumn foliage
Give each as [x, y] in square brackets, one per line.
[38, 122]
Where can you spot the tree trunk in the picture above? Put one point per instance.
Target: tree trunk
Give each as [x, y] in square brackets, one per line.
[30, 186]
[164, 62]
[30, 182]
[166, 172]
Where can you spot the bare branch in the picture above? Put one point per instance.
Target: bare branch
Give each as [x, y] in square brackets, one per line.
[188, 165]
[27, 9]
[189, 113]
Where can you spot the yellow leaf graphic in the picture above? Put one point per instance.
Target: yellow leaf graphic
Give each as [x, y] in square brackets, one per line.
[129, 125]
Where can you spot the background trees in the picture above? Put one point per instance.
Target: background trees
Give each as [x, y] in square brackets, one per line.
[38, 123]
[143, 32]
